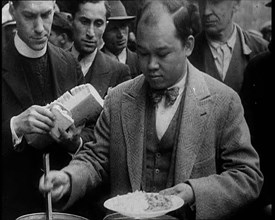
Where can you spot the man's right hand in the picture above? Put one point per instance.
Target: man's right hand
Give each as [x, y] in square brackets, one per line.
[56, 182]
[36, 119]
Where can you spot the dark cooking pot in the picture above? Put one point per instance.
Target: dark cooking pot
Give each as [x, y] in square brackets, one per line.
[56, 216]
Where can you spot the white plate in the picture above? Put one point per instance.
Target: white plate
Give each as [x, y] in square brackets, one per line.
[136, 209]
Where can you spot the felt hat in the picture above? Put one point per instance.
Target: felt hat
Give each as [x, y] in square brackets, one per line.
[118, 12]
[61, 20]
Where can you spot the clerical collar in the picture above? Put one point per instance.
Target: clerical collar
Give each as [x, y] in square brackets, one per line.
[25, 50]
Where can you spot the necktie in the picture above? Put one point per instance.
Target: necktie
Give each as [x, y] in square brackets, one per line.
[80, 57]
[170, 95]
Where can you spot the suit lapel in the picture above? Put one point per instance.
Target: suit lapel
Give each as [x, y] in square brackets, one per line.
[195, 114]
[58, 67]
[133, 114]
[99, 74]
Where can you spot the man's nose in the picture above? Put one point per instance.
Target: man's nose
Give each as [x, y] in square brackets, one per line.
[206, 7]
[38, 25]
[153, 63]
[120, 31]
[91, 31]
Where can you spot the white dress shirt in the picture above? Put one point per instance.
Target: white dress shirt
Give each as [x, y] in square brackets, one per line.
[222, 53]
[165, 114]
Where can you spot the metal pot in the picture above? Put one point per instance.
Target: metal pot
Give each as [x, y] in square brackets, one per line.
[56, 216]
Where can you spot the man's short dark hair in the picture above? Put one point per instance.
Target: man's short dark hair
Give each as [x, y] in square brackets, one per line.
[74, 6]
[180, 11]
[16, 3]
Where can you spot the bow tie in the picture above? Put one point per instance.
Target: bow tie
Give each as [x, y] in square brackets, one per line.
[169, 94]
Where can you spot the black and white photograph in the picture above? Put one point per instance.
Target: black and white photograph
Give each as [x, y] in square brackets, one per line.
[136, 109]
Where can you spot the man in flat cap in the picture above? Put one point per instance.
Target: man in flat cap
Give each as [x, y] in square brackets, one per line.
[62, 33]
[116, 37]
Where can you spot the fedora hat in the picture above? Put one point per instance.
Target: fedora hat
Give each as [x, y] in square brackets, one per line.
[118, 11]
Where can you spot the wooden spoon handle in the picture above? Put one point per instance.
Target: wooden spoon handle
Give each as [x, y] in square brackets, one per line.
[49, 212]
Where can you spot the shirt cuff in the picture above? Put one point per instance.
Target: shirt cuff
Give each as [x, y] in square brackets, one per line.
[15, 139]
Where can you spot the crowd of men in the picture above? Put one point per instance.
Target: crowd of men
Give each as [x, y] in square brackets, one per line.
[183, 113]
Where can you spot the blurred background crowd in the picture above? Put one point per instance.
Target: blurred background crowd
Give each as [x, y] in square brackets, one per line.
[253, 16]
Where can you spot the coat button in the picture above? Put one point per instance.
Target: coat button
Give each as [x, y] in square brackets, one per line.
[158, 155]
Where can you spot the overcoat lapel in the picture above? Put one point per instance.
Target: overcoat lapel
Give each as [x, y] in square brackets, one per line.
[15, 76]
[99, 74]
[58, 67]
[195, 115]
[133, 115]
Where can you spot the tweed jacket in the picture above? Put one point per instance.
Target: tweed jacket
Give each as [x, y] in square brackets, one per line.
[22, 170]
[250, 46]
[214, 153]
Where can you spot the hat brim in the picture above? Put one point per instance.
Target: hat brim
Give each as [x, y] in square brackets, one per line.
[121, 18]
[269, 4]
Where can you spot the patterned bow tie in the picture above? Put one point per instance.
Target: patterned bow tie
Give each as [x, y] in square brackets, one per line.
[170, 95]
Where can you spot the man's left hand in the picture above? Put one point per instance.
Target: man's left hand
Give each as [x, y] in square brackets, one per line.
[182, 190]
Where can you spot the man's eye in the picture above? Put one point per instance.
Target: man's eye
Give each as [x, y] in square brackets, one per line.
[84, 21]
[29, 16]
[163, 54]
[46, 15]
[99, 23]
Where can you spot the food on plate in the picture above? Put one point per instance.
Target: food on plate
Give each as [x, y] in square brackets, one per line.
[140, 201]
[158, 202]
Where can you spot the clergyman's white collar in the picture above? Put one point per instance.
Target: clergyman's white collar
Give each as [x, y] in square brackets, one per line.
[25, 50]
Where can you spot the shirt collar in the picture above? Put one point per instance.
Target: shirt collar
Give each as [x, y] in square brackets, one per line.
[89, 59]
[121, 57]
[25, 50]
[237, 29]
[230, 42]
[181, 83]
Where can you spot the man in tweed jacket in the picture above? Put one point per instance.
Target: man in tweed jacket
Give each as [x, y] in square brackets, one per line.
[211, 164]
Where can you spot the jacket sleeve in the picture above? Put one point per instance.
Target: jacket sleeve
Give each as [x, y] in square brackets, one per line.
[90, 167]
[238, 179]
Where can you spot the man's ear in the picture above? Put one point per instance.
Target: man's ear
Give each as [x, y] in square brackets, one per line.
[189, 45]
[64, 38]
